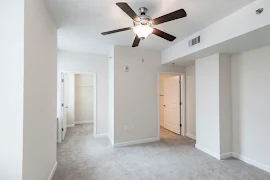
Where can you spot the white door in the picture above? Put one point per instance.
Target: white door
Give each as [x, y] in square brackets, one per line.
[172, 104]
[64, 106]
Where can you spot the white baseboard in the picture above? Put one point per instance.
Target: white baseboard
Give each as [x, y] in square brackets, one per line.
[84, 122]
[71, 125]
[226, 155]
[111, 140]
[191, 136]
[251, 162]
[136, 142]
[207, 151]
[53, 171]
[101, 135]
[237, 156]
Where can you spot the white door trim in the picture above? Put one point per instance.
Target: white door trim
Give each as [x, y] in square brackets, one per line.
[60, 123]
[183, 94]
[63, 112]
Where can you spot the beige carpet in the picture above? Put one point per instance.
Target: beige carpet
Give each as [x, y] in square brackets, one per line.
[81, 157]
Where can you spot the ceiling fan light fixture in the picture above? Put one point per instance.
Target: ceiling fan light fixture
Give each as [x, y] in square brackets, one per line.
[143, 24]
[143, 31]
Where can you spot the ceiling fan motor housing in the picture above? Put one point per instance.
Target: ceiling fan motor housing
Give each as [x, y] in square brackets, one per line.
[144, 19]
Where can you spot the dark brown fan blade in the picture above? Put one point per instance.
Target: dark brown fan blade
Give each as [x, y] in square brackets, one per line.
[163, 35]
[116, 31]
[170, 17]
[127, 9]
[136, 41]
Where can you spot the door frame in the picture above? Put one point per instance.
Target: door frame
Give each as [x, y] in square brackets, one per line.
[63, 134]
[183, 96]
[95, 101]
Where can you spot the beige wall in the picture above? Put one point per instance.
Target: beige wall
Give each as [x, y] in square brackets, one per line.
[213, 105]
[225, 105]
[111, 96]
[84, 98]
[207, 104]
[40, 72]
[161, 97]
[251, 105]
[135, 93]
[190, 102]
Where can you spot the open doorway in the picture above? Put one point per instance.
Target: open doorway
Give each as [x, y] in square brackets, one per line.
[171, 104]
[78, 97]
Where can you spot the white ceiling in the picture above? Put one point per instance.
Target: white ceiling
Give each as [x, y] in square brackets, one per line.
[80, 22]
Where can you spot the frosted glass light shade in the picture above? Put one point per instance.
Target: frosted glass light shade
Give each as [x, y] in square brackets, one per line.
[142, 30]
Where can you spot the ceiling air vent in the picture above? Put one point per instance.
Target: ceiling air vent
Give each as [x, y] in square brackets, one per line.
[195, 41]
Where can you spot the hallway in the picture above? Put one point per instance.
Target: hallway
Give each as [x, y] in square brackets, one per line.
[82, 157]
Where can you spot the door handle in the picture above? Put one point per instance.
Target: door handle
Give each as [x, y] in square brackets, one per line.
[66, 107]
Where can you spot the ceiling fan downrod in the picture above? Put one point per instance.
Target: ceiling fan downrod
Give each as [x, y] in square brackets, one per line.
[143, 10]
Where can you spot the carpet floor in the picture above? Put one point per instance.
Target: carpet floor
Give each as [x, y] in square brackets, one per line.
[82, 157]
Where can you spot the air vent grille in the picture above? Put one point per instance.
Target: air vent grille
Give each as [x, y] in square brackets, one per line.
[195, 41]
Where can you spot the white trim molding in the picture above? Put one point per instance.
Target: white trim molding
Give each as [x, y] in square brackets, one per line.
[111, 140]
[101, 135]
[71, 125]
[191, 136]
[236, 156]
[53, 171]
[251, 162]
[84, 122]
[136, 142]
[207, 151]
[226, 155]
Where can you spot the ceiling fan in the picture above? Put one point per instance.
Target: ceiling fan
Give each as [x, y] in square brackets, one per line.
[143, 24]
